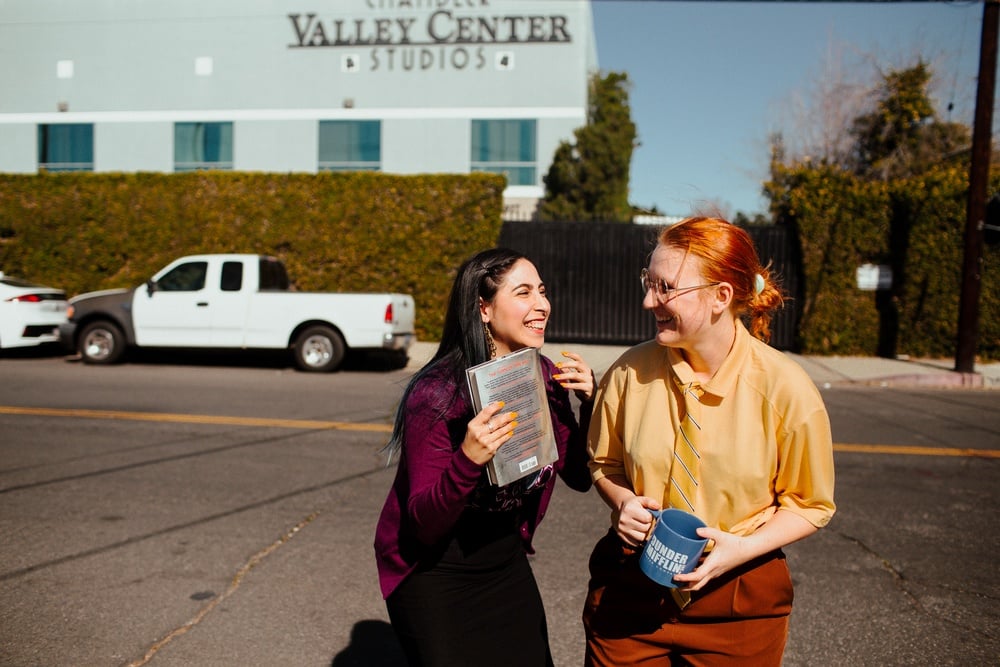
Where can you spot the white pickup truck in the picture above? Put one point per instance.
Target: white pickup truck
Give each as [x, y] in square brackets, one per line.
[236, 302]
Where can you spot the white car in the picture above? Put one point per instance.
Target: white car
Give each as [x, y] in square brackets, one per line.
[29, 314]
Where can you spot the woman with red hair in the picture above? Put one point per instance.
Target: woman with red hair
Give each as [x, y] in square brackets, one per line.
[761, 474]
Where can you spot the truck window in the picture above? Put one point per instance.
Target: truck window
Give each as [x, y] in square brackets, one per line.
[232, 276]
[187, 277]
[273, 276]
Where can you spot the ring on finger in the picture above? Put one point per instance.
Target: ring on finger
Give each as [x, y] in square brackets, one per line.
[489, 425]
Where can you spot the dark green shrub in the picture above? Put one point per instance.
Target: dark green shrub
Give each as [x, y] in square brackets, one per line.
[360, 231]
[916, 226]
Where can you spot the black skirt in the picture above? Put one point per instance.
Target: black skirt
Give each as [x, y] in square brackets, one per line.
[478, 604]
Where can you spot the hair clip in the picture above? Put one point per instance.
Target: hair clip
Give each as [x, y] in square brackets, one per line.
[758, 283]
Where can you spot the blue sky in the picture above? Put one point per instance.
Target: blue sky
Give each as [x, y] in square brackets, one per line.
[712, 80]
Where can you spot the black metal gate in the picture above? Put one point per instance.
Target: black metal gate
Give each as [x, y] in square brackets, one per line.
[591, 270]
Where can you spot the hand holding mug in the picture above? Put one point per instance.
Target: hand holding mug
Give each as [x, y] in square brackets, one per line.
[673, 548]
[632, 520]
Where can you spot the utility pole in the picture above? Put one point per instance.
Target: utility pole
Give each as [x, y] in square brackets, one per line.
[979, 175]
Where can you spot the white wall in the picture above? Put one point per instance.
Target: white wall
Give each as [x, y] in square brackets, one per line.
[279, 146]
[135, 68]
[134, 146]
[19, 148]
[420, 146]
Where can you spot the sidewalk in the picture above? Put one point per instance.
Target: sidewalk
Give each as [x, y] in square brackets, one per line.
[825, 371]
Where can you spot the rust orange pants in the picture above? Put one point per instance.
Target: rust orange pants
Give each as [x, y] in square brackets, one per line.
[740, 618]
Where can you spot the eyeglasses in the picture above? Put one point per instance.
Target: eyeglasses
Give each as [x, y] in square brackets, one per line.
[664, 293]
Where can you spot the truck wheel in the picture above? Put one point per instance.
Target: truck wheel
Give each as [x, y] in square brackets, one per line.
[319, 350]
[101, 343]
[397, 359]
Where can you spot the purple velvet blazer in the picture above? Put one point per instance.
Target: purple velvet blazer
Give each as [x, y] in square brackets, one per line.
[435, 479]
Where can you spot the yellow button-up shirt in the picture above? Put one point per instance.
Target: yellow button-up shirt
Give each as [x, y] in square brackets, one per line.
[765, 441]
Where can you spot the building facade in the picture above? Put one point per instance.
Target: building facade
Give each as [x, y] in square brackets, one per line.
[400, 86]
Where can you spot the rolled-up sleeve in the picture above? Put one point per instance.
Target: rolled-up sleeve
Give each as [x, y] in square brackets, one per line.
[805, 479]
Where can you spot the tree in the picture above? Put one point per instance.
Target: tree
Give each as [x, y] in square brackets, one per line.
[588, 180]
[902, 136]
[899, 135]
[895, 197]
[758, 220]
[873, 124]
[818, 118]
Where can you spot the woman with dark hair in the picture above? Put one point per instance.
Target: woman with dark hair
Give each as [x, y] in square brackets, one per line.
[709, 419]
[451, 548]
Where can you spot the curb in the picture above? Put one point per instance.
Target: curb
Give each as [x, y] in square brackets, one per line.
[825, 371]
[942, 380]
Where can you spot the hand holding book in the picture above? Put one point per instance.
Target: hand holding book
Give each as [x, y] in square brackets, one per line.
[487, 432]
[516, 380]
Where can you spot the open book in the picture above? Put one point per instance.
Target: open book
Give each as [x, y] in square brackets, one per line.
[517, 380]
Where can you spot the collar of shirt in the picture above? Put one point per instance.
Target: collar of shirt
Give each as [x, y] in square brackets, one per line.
[724, 380]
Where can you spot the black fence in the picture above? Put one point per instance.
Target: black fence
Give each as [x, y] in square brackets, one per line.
[592, 270]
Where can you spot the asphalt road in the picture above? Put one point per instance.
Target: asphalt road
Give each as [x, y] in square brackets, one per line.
[206, 514]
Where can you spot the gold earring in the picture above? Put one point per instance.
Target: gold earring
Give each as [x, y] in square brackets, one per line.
[489, 340]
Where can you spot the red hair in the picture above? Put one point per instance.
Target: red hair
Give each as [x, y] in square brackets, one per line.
[727, 254]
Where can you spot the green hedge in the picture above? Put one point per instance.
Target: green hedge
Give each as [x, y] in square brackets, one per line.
[916, 227]
[359, 231]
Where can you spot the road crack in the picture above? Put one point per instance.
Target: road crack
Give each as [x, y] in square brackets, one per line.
[234, 585]
[902, 585]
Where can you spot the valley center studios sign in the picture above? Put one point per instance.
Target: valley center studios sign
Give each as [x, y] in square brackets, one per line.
[418, 35]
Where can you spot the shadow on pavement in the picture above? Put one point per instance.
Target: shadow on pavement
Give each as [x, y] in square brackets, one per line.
[356, 360]
[33, 351]
[372, 643]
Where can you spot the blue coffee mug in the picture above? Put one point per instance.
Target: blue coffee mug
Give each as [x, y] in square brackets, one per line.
[674, 546]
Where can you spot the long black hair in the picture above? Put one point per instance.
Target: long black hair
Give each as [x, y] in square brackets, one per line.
[463, 341]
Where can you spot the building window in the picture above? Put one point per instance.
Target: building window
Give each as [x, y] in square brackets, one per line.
[66, 147]
[350, 145]
[505, 147]
[203, 146]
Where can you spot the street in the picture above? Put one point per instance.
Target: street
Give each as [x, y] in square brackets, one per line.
[205, 514]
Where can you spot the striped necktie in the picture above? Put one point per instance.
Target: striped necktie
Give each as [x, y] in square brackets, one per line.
[686, 462]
